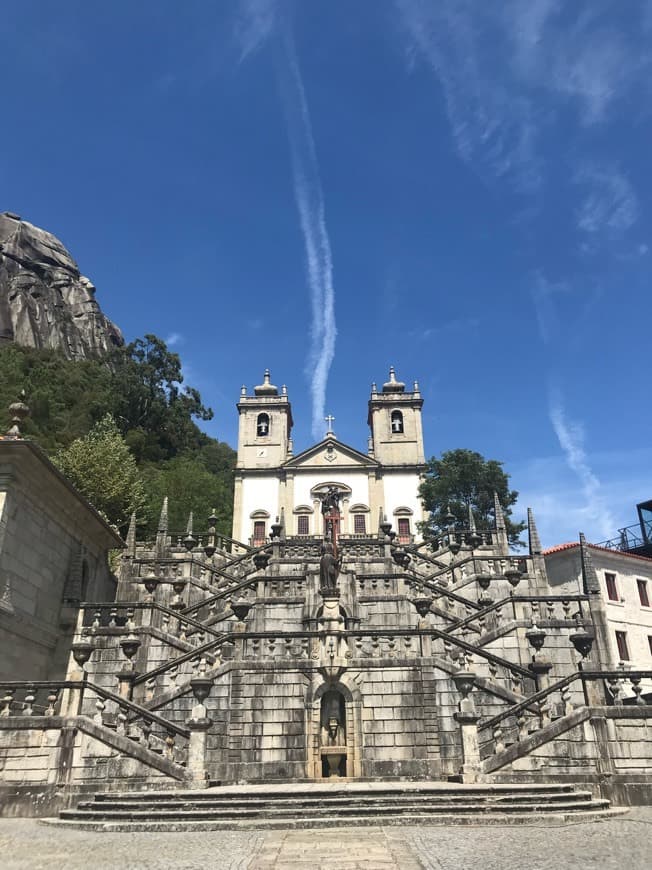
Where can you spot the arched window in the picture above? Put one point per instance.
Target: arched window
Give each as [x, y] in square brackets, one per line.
[262, 425]
[397, 422]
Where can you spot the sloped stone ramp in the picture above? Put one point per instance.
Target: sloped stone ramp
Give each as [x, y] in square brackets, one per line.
[315, 805]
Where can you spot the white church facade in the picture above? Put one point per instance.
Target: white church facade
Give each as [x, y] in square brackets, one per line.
[273, 485]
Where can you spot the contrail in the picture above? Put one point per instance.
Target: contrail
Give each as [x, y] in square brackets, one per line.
[310, 205]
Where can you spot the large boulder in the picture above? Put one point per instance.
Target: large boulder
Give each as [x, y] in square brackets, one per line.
[44, 300]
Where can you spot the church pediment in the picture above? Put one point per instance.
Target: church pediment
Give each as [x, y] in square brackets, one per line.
[331, 453]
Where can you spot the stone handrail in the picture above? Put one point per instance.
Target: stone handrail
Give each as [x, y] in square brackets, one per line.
[197, 652]
[513, 599]
[114, 608]
[130, 713]
[534, 703]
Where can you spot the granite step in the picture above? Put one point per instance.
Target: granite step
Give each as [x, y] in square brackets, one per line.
[316, 806]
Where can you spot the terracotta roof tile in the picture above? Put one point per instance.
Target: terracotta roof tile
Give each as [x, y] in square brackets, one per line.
[559, 548]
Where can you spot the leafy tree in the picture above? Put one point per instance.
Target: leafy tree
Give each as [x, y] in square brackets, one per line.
[103, 469]
[460, 479]
[151, 408]
[190, 485]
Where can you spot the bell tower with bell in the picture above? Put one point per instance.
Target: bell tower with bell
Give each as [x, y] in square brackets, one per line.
[265, 426]
[395, 422]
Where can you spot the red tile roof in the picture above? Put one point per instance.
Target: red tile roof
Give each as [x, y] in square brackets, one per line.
[559, 548]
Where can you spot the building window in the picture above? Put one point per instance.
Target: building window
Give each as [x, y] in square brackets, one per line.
[403, 530]
[359, 524]
[262, 425]
[259, 533]
[621, 640]
[649, 642]
[642, 593]
[397, 422]
[303, 525]
[612, 591]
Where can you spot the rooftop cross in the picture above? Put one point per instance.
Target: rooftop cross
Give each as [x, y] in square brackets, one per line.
[330, 420]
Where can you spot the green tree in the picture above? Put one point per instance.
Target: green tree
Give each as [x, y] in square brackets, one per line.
[462, 479]
[154, 412]
[103, 469]
[190, 485]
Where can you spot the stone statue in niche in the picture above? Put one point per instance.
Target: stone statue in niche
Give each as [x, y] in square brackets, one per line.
[329, 567]
[333, 727]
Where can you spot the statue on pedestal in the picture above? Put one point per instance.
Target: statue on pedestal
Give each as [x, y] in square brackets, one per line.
[329, 567]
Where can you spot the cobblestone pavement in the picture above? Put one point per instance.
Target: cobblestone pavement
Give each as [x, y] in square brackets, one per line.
[622, 842]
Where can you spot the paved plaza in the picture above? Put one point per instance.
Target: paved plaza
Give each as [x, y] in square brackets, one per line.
[620, 842]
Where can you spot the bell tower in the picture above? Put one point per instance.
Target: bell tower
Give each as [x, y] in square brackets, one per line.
[395, 423]
[265, 426]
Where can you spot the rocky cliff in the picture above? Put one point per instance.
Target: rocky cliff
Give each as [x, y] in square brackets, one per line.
[44, 300]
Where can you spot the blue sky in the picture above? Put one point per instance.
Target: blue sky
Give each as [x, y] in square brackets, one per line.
[460, 189]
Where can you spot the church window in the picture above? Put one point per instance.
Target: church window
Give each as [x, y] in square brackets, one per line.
[397, 422]
[262, 425]
[259, 533]
[303, 525]
[403, 530]
[623, 649]
[359, 524]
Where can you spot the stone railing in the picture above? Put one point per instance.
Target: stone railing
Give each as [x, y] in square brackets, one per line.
[112, 617]
[67, 698]
[534, 713]
[173, 673]
[543, 610]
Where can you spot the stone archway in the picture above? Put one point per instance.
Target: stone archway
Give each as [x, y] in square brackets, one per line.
[350, 731]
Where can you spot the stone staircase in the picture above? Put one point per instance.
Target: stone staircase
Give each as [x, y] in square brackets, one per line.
[337, 804]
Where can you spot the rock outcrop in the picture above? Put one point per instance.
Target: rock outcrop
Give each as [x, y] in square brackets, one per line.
[44, 300]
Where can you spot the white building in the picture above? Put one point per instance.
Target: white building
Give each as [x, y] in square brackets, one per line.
[625, 586]
[271, 483]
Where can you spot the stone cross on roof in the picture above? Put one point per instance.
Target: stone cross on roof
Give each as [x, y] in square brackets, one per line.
[330, 420]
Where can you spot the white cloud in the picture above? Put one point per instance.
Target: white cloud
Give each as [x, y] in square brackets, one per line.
[258, 21]
[255, 22]
[312, 216]
[570, 435]
[610, 205]
[174, 339]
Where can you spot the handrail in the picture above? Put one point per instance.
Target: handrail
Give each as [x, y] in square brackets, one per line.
[585, 676]
[186, 657]
[83, 685]
[144, 605]
[516, 598]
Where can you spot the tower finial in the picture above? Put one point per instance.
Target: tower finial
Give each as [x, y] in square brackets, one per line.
[471, 520]
[131, 537]
[163, 519]
[19, 411]
[590, 582]
[498, 514]
[533, 535]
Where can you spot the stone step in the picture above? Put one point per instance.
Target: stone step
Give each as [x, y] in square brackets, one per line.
[310, 805]
[328, 821]
[221, 804]
[292, 812]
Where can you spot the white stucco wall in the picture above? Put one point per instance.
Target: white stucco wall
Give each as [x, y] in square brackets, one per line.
[258, 493]
[401, 490]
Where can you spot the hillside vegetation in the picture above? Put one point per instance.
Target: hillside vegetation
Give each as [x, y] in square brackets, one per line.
[126, 420]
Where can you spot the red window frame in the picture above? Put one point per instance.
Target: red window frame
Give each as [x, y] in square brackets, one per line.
[621, 643]
[612, 589]
[259, 533]
[403, 524]
[303, 524]
[359, 524]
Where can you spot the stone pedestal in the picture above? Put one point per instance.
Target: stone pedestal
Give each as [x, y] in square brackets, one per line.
[471, 769]
[196, 766]
[126, 681]
[333, 756]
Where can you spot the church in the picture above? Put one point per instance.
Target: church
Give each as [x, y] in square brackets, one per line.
[322, 644]
[274, 485]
